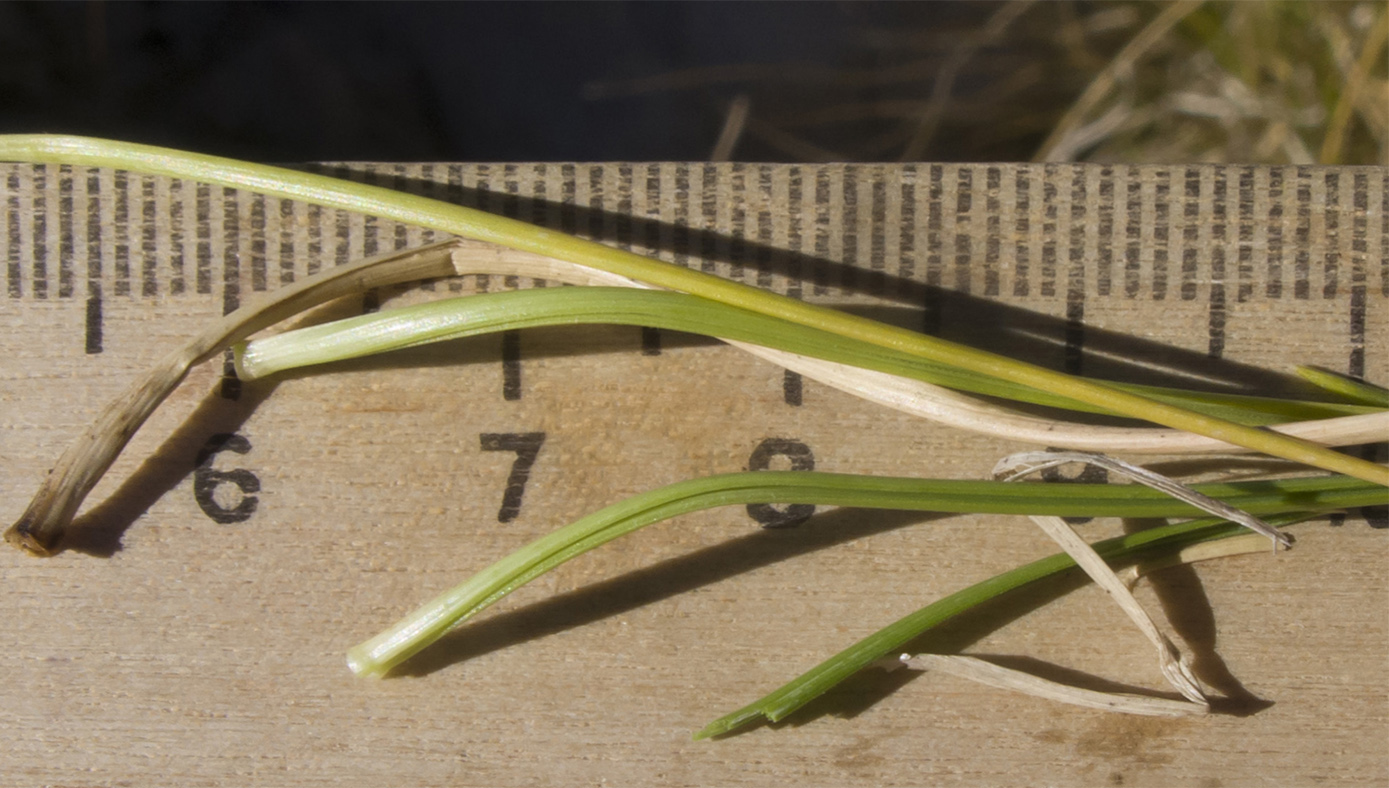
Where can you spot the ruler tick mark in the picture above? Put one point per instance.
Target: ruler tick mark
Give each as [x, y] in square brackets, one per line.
[1162, 195]
[1245, 266]
[906, 241]
[1215, 322]
[66, 243]
[39, 242]
[511, 365]
[964, 240]
[1331, 263]
[1273, 286]
[176, 263]
[1191, 231]
[993, 243]
[1022, 228]
[1302, 236]
[120, 221]
[202, 211]
[231, 281]
[14, 254]
[149, 239]
[93, 340]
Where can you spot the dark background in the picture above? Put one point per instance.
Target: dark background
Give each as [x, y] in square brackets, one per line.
[499, 81]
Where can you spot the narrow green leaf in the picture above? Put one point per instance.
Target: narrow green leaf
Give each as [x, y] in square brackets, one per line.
[426, 624]
[454, 318]
[793, 695]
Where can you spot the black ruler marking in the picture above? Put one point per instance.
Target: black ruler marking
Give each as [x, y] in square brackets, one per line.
[622, 222]
[511, 365]
[120, 221]
[231, 281]
[93, 333]
[931, 302]
[762, 260]
[510, 192]
[66, 231]
[964, 239]
[1331, 262]
[1191, 231]
[287, 253]
[1075, 277]
[177, 283]
[39, 240]
[1133, 231]
[848, 257]
[1050, 214]
[877, 242]
[680, 200]
[371, 225]
[792, 386]
[1162, 229]
[202, 212]
[596, 203]
[543, 212]
[14, 277]
[819, 276]
[1302, 236]
[1104, 239]
[149, 239]
[708, 217]
[1022, 229]
[1359, 276]
[1273, 284]
[652, 240]
[736, 230]
[993, 242]
[1215, 326]
[568, 214]
[314, 220]
[906, 238]
[1384, 236]
[342, 238]
[934, 220]
[1244, 270]
[795, 230]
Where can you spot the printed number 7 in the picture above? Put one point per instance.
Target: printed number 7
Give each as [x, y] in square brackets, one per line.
[527, 446]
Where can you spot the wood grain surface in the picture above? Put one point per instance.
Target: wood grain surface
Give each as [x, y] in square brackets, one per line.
[193, 632]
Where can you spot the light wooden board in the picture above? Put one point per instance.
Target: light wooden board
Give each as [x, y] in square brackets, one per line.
[167, 648]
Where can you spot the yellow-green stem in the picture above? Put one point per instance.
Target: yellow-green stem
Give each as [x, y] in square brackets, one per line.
[515, 234]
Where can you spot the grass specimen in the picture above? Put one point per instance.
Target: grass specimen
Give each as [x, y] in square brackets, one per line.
[709, 305]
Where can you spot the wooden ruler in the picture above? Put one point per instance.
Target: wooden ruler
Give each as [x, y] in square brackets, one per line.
[194, 635]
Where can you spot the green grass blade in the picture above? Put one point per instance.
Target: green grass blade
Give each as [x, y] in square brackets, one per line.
[413, 633]
[454, 318]
[785, 700]
[1347, 387]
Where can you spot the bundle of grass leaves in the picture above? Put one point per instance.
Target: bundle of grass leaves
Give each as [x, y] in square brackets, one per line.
[925, 375]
